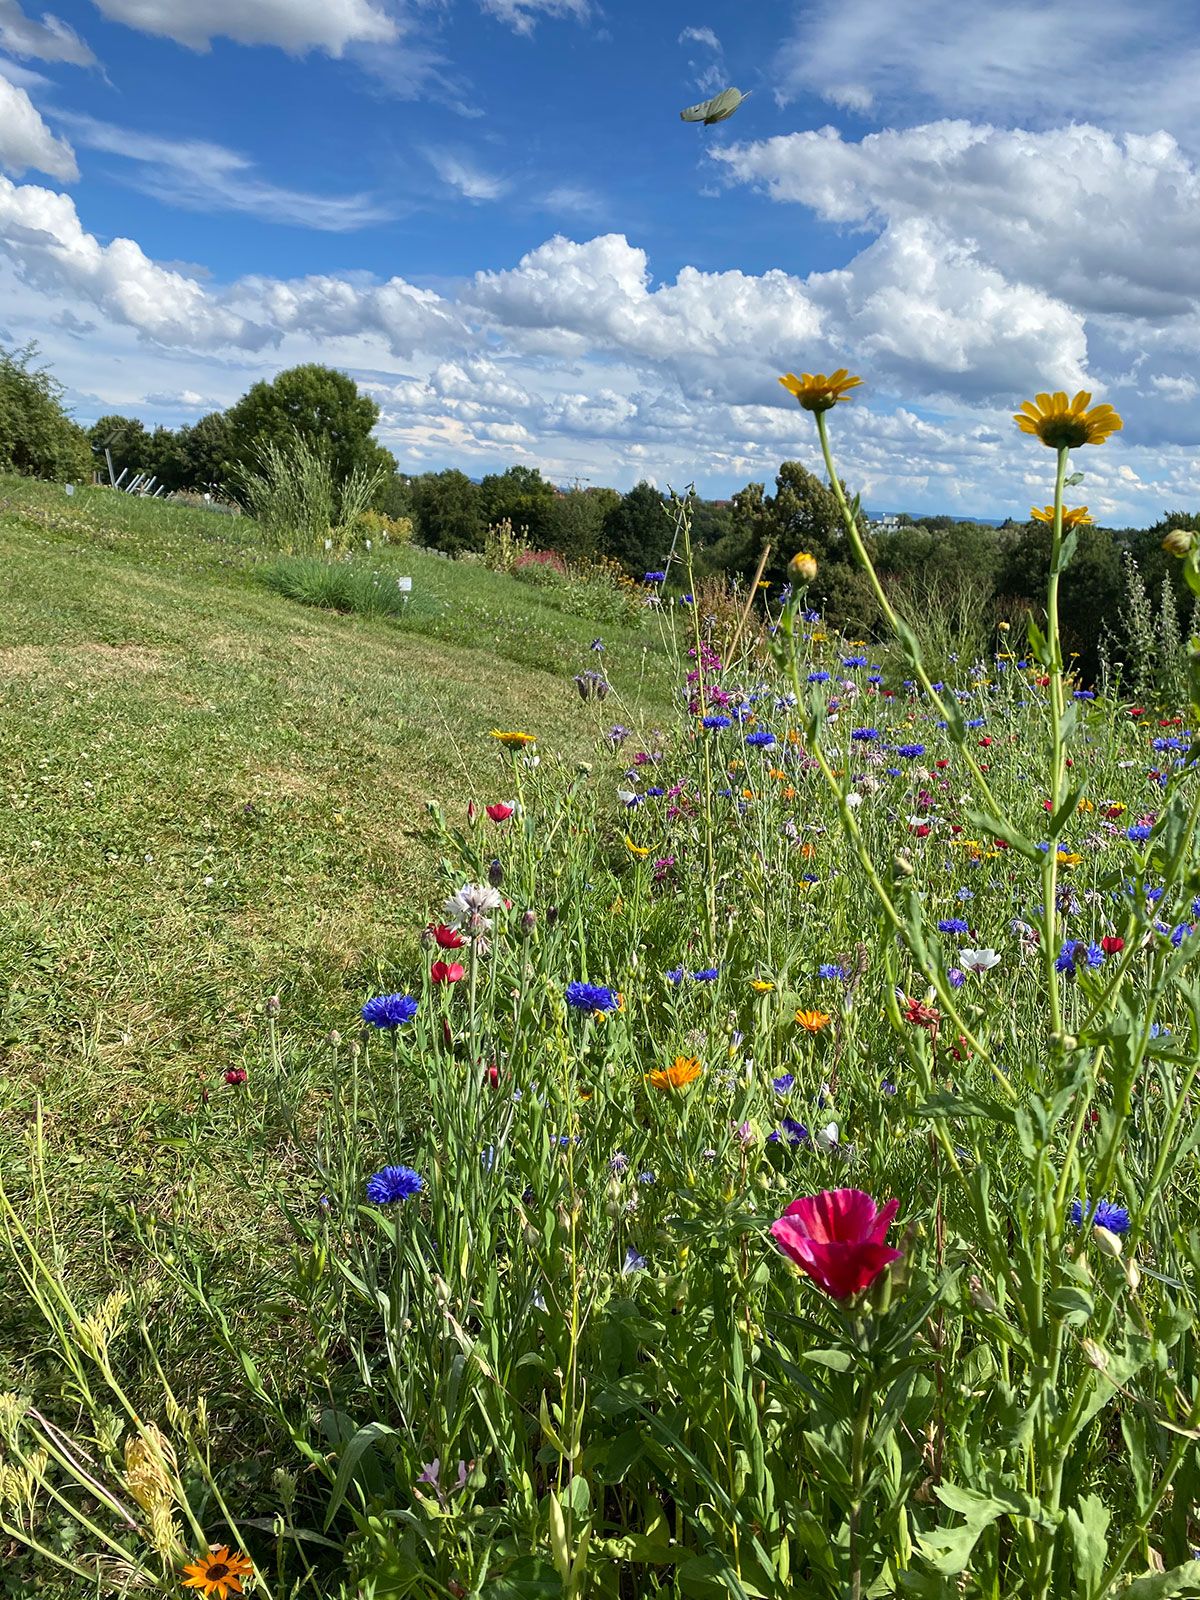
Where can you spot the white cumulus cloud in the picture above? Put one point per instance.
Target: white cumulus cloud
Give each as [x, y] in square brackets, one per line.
[47, 40]
[293, 25]
[26, 141]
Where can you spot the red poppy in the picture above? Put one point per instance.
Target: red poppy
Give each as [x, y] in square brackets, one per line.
[986, 740]
[1137, 711]
[1112, 947]
[500, 812]
[446, 972]
[1001, 844]
[236, 1075]
[448, 938]
[922, 832]
[836, 1237]
[942, 763]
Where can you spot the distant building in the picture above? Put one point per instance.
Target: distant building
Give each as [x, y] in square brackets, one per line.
[887, 524]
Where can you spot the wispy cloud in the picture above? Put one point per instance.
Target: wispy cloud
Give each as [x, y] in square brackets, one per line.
[709, 76]
[461, 173]
[573, 198]
[201, 176]
[47, 40]
[701, 36]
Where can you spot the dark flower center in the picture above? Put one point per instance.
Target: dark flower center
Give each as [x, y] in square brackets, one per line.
[216, 1571]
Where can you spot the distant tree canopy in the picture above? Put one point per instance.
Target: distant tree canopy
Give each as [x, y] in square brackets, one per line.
[321, 404]
[448, 509]
[637, 532]
[37, 437]
[520, 496]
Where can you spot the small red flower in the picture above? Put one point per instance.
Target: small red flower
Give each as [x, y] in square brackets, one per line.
[1137, 711]
[836, 1237]
[1112, 947]
[942, 763]
[448, 938]
[500, 812]
[236, 1075]
[922, 1016]
[493, 1074]
[923, 831]
[986, 740]
[446, 972]
[1001, 844]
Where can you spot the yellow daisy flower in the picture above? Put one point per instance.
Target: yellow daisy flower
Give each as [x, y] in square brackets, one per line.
[218, 1573]
[1076, 518]
[635, 849]
[514, 741]
[1060, 422]
[761, 986]
[816, 392]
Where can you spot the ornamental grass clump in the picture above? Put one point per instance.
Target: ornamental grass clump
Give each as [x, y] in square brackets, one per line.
[767, 1170]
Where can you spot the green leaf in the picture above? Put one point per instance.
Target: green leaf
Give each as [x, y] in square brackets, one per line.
[351, 1455]
[1184, 1580]
[1088, 1525]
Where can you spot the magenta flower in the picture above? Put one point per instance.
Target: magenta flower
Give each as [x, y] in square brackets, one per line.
[836, 1237]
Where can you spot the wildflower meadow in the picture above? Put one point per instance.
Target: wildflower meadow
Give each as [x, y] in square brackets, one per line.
[775, 1173]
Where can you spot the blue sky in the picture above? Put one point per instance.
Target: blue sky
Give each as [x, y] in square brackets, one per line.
[489, 212]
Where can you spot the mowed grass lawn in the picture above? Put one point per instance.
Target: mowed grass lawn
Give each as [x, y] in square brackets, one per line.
[213, 794]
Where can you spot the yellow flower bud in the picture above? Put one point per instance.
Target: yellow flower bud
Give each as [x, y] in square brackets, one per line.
[1178, 541]
[802, 568]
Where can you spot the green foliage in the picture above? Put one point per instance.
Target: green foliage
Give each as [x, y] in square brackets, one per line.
[297, 498]
[37, 437]
[448, 510]
[522, 497]
[637, 532]
[322, 406]
[577, 526]
[1091, 588]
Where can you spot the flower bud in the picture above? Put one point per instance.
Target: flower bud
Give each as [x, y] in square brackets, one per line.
[802, 568]
[980, 1298]
[1133, 1275]
[551, 916]
[472, 814]
[495, 874]
[333, 1037]
[528, 923]
[1095, 1355]
[1179, 541]
[272, 1006]
[1107, 1242]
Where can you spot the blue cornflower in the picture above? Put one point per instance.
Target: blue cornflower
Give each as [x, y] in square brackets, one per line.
[618, 1161]
[687, 599]
[956, 978]
[591, 997]
[864, 735]
[1179, 934]
[818, 677]
[655, 577]
[706, 974]
[854, 661]
[1084, 694]
[975, 722]
[647, 1178]
[633, 1262]
[392, 1184]
[656, 792]
[1103, 1214]
[718, 722]
[675, 975]
[830, 969]
[876, 677]
[782, 1085]
[911, 750]
[389, 1010]
[893, 772]
[953, 925]
[887, 1088]
[763, 739]
[965, 894]
[597, 645]
[1138, 834]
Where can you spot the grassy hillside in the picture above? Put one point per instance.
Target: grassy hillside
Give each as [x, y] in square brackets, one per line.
[215, 794]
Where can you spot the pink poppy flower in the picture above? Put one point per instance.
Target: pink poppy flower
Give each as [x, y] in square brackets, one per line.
[446, 972]
[500, 812]
[836, 1237]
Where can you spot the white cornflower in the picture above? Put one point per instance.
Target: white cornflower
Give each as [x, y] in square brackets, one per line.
[468, 904]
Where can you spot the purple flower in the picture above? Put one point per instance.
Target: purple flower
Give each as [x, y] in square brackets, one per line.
[782, 1085]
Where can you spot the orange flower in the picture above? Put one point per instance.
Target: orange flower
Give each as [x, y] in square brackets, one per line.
[514, 741]
[685, 1070]
[813, 1021]
[218, 1573]
[807, 850]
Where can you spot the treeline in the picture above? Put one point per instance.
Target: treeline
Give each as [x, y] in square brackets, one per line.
[968, 574]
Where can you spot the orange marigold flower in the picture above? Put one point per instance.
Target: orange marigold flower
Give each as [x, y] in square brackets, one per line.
[813, 1021]
[684, 1070]
[816, 392]
[1066, 424]
[1076, 518]
[218, 1573]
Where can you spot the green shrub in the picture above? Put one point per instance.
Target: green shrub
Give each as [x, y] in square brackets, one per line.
[37, 437]
[336, 586]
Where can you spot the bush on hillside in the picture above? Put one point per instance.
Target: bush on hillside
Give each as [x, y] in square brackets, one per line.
[37, 437]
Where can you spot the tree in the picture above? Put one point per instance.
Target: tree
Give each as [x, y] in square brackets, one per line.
[1090, 590]
[319, 403]
[448, 511]
[802, 514]
[37, 437]
[523, 497]
[577, 525]
[637, 531]
[125, 439]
